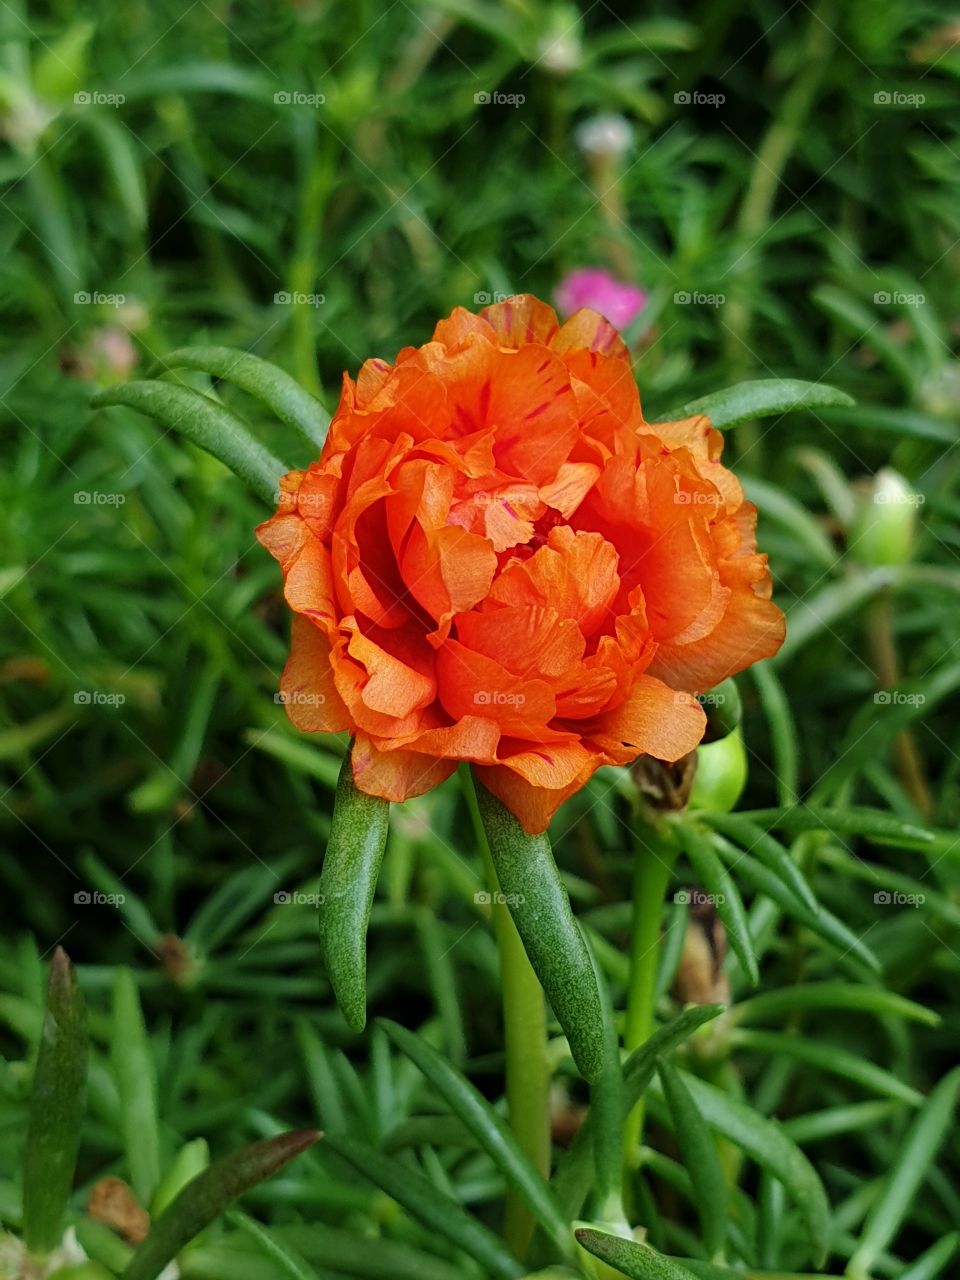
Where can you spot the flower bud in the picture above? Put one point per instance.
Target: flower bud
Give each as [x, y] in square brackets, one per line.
[883, 530]
[723, 708]
[559, 48]
[607, 135]
[721, 774]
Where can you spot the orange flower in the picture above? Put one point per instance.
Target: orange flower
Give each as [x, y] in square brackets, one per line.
[497, 560]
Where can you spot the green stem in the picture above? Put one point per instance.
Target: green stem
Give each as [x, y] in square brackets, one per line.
[654, 857]
[525, 1039]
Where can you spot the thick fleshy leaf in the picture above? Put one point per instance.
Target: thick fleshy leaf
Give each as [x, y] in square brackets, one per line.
[351, 866]
[207, 424]
[541, 910]
[637, 1261]
[431, 1207]
[206, 1197]
[273, 387]
[56, 1110]
[466, 1101]
[765, 398]
[768, 850]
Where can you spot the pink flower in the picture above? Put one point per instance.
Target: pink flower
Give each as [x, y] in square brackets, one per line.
[597, 289]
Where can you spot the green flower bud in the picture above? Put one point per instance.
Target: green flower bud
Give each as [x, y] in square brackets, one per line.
[883, 531]
[721, 774]
[724, 709]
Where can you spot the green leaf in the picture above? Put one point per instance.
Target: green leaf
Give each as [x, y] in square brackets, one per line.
[930, 1127]
[828, 1058]
[541, 910]
[490, 1131]
[700, 1158]
[206, 1197]
[930, 1264]
[638, 1261]
[56, 1110]
[575, 1172]
[776, 505]
[832, 995]
[351, 866]
[281, 394]
[434, 1209]
[767, 1143]
[135, 1075]
[718, 882]
[765, 398]
[768, 850]
[882, 828]
[205, 423]
[287, 1259]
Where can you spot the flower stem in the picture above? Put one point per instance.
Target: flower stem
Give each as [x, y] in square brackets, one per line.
[525, 1039]
[654, 857]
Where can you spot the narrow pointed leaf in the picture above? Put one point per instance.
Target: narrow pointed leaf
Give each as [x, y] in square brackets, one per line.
[765, 1141]
[832, 995]
[490, 1131]
[931, 1126]
[637, 1261]
[718, 882]
[207, 424]
[766, 398]
[351, 867]
[206, 1197]
[575, 1172]
[135, 1074]
[768, 850]
[429, 1206]
[541, 910]
[700, 1158]
[273, 387]
[56, 1110]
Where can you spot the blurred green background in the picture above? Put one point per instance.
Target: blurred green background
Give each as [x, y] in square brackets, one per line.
[316, 183]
